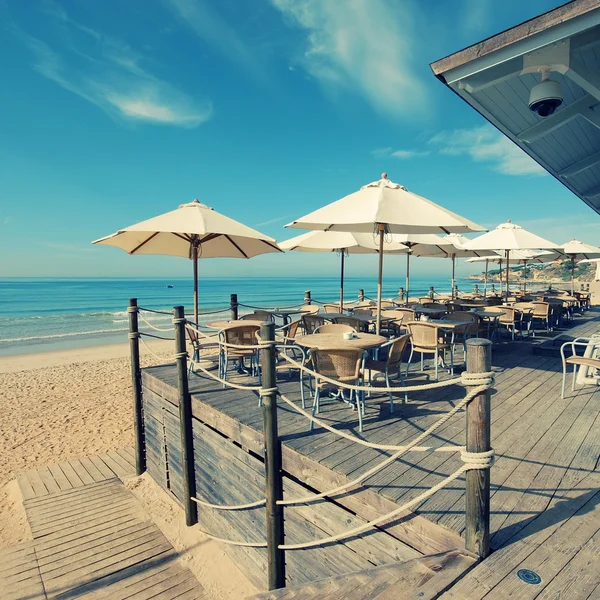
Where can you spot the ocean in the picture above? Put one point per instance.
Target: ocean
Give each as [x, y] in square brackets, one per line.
[54, 314]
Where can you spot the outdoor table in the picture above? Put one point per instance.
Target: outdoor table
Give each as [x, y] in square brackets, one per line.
[323, 341]
[490, 316]
[364, 319]
[285, 314]
[424, 310]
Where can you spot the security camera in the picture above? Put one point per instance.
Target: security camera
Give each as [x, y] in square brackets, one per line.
[545, 97]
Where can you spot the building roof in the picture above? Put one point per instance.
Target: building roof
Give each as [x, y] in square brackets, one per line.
[496, 76]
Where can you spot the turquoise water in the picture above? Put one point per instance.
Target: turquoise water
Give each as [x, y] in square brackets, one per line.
[49, 314]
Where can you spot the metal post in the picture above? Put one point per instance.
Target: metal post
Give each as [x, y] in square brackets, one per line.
[185, 420]
[476, 290]
[233, 303]
[401, 293]
[477, 534]
[342, 281]
[136, 379]
[273, 472]
[431, 293]
[493, 288]
[307, 299]
[361, 295]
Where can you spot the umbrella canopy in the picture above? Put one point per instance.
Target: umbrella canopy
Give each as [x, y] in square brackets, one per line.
[339, 241]
[508, 237]
[385, 207]
[576, 249]
[192, 231]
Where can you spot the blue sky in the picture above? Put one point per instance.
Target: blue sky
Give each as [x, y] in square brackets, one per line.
[112, 112]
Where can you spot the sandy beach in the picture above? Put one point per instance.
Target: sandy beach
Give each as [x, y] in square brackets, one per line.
[74, 403]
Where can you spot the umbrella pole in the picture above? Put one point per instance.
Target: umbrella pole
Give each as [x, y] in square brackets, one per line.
[487, 262]
[572, 274]
[342, 282]
[524, 277]
[407, 274]
[453, 268]
[195, 260]
[381, 234]
[507, 272]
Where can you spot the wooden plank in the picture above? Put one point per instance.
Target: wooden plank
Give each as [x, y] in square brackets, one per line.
[71, 475]
[91, 469]
[36, 482]
[114, 465]
[81, 471]
[25, 486]
[49, 480]
[105, 470]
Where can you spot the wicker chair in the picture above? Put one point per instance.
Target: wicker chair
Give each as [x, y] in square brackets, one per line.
[385, 304]
[242, 335]
[335, 328]
[426, 339]
[331, 308]
[392, 323]
[309, 309]
[588, 362]
[463, 332]
[510, 318]
[311, 322]
[364, 312]
[542, 313]
[356, 324]
[258, 315]
[391, 366]
[344, 365]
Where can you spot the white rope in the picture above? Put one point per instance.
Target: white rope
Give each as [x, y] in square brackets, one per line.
[474, 462]
[464, 379]
[159, 358]
[256, 504]
[412, 446]
[234, 542]
[252, 388]
[168, 329]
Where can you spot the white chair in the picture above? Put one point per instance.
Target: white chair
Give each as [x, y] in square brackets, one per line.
[592, 346]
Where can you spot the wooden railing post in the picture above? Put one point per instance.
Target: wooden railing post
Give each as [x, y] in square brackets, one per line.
[273, 469]
[361, 295]
[233, 303]
[401, 293]
[493, 288]
[307, 298]
[431, 292]
[476, 290]
[136, 380]
[477, 533]
[185, 420]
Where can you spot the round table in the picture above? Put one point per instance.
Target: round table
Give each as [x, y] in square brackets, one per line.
[425, 310]
[336, 340]
[229, 324]
[286, 313]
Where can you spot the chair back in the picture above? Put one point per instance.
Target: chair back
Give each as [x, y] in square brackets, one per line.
[397, 350]
[423, 334]
[424, 299]
[342, 364]
[408, 314]
[258, 315]
[331, 308]
[311, 322]
[309, 309]
[291, 331]
[508, 316]
[396, 315]
[242, 335]
[334, 328]
[363, 312]
[387, 304]
[355, 324]
[541, 309]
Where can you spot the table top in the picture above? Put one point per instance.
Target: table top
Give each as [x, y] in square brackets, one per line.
[443, 324]
[361, 318]
[488, 312]
[428, 311]
[230, 324]
[336, 340]
[287, 311]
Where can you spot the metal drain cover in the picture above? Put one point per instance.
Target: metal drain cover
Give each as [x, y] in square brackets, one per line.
[529, 576]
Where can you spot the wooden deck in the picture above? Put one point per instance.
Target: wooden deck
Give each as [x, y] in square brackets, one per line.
[544, 482]
[91, 539]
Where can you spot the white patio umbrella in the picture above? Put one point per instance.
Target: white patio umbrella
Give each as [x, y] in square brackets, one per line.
[508, 237]
[192, 231]
[576, 249]
[385, 207]
[517, 257]
[338, 241]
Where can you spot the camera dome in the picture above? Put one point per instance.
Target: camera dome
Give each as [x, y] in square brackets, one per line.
[545, 98]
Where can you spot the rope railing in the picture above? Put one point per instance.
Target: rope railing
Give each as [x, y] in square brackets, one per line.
[478, 382]
[272, 309]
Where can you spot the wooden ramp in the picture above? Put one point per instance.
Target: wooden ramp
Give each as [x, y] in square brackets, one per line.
[424, 578]
[91, 541]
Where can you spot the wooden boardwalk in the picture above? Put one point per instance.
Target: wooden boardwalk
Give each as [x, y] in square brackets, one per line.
[544, 482]
[91, 539]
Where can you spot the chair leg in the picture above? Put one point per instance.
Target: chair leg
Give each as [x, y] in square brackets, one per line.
[422, 365]
[574, 377]
[409, 359]
[359, 409]
[315, 407]
[301, 376]
[387, 383]
[564, 381]
[436, 363]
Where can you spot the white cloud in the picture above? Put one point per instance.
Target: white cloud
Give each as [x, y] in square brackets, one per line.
[475, 16]
[361, 45]
[389, 152]
[111, 77]
[485, 144]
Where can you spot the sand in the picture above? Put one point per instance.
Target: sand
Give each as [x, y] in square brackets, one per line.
[56, 406]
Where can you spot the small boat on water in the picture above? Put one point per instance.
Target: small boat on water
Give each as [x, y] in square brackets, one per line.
[170, 286]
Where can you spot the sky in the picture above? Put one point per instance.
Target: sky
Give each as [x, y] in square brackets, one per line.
[113, 112]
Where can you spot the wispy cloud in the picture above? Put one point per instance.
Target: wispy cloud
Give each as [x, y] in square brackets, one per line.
[485, 144]
[217, 33]
[271, 221]
[389, 152]
[109, 74]
[360, 45]
[475, 16]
